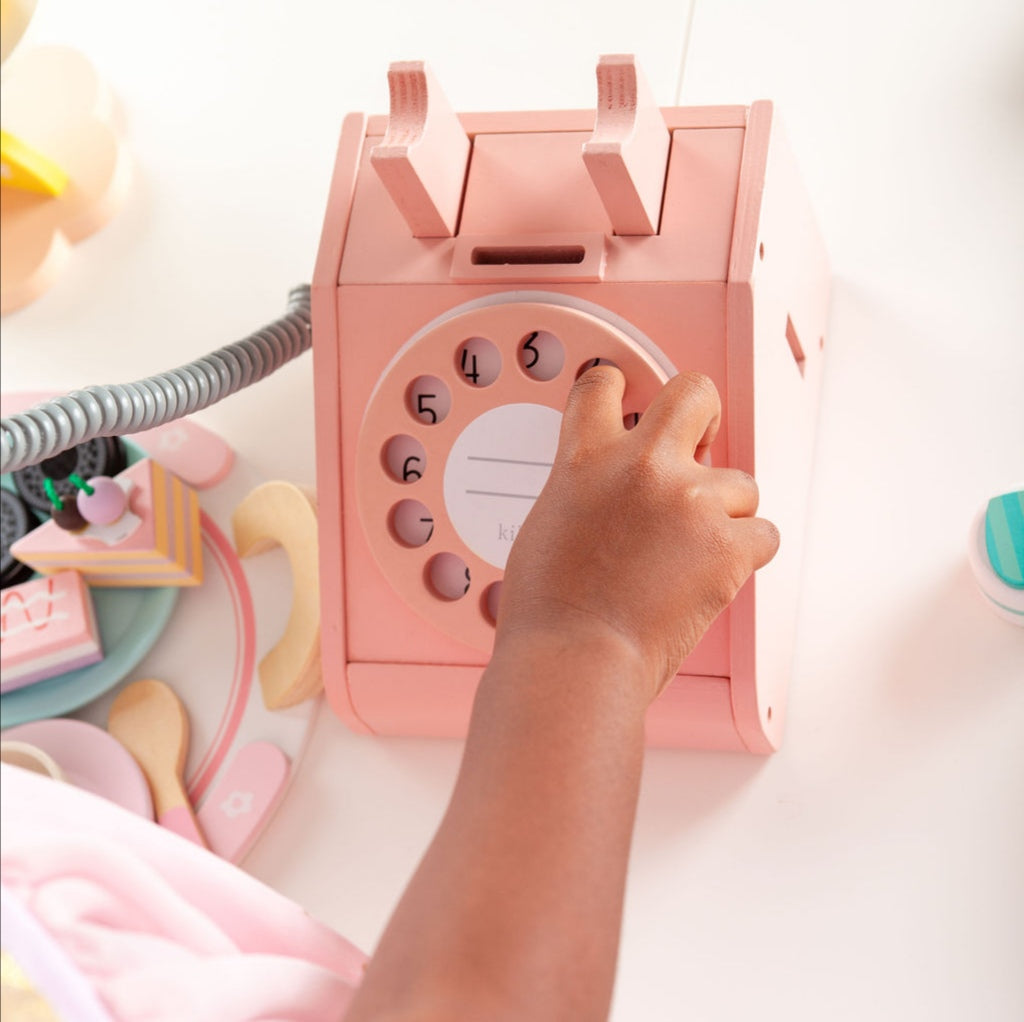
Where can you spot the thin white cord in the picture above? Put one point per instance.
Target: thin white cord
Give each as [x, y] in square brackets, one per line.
[686, 50]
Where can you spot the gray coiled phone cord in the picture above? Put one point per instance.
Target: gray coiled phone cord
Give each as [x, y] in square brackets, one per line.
[53, 426]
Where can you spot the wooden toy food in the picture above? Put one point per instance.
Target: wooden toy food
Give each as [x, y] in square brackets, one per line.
[47, 627]
[155, 541]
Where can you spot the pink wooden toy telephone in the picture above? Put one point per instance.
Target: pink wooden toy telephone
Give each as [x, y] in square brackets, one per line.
[469, 267]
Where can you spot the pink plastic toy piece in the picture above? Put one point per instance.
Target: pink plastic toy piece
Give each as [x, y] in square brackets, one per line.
[627, 155]
[243, 799]
[195, 455]
[105, 504]
[477, 339]
[422, 159]
[47, 627]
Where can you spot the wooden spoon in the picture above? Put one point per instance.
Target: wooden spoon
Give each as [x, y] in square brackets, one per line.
[149, 720]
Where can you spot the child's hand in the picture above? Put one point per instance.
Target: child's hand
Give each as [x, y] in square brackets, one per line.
[632, 539]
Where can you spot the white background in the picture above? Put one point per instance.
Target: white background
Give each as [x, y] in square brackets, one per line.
[874, 868]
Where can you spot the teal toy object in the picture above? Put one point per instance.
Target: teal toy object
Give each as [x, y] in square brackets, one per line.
[996, 554]
[1004, 537]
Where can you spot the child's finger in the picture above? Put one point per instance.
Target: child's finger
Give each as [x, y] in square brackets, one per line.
[594, 406]
[760, 537]
[687, 410]
[738, 491]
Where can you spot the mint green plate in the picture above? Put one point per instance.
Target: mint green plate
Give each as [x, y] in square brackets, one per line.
[130, 622]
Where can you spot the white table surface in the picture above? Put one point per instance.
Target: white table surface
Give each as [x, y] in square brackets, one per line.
[872, 869]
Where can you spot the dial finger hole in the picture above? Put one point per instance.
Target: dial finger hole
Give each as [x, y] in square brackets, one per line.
[592, 362]
[492, 596]
[541, 355]
[412, 524]
[405, 458]
[448, 576]
[429, 400]
[478, 361]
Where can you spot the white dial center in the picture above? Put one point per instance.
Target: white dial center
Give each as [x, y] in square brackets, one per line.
[495, 471]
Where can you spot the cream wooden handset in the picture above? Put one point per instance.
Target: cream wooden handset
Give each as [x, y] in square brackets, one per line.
[469, 268]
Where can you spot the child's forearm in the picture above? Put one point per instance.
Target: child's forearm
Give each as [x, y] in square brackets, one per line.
[515, 910]
[631, 550]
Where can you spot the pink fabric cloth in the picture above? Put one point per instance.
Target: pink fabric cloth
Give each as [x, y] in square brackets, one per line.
[161, 928]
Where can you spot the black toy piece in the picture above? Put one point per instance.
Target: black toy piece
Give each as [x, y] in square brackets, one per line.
[104, 456]
[17, 521]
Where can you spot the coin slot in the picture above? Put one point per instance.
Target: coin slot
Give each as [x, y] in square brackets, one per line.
[528, 255]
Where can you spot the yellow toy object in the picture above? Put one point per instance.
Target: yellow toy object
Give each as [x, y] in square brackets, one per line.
[63, 170]
[22, 167]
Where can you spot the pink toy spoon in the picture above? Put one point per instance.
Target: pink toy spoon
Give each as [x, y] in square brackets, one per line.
[149, 720]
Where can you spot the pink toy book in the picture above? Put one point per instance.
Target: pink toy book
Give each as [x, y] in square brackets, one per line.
[155, 541]
[47, 627]
[469, 267]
